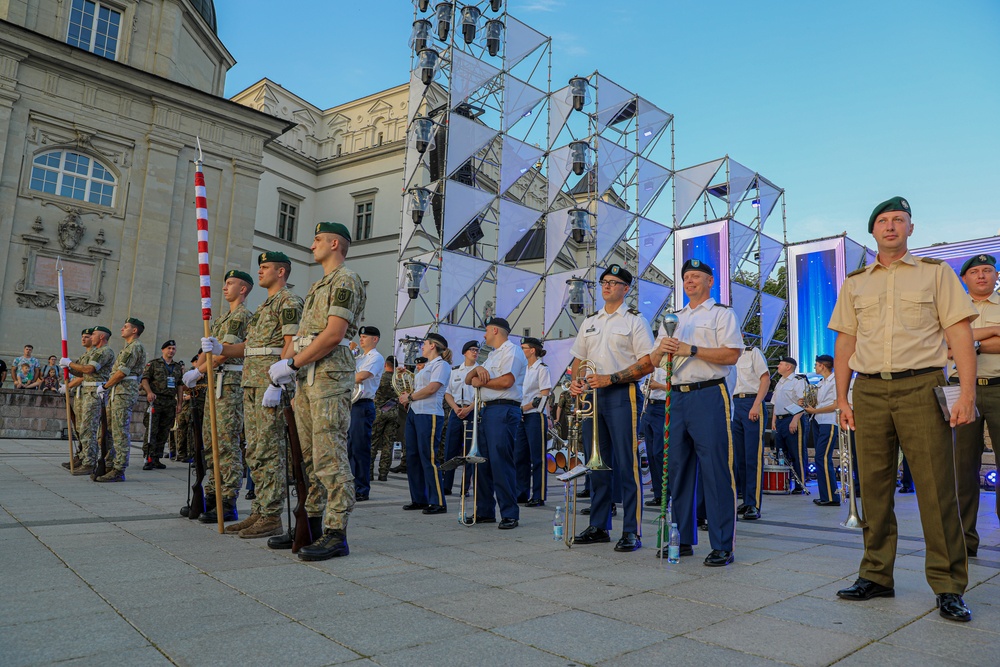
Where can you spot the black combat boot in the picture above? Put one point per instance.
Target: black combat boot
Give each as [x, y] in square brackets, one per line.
[209, 515]
[332, 544]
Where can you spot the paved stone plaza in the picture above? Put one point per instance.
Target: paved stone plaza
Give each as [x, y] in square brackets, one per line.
[110, 574]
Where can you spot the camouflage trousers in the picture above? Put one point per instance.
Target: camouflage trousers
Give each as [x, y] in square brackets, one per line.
[123, 400]
[265, 435]
[88, 425]
[383, 435]
[229, 429]
[157, 433]
[322, 422]
[189, 416]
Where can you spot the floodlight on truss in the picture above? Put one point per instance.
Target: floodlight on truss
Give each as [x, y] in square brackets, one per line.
[418, 200]
[420, 34]
[443, 12]
[422, 5]
[413, 277]
[577, 290]
[495, 5]
[579, 90]
[579, 157]
[422, 134]
[470, 23]
[427, 64]
[411, 349]
[578, 223]
[494, 36]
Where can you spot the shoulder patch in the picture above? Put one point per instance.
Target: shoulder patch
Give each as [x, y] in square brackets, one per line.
[633, 311]
[289, 316]
[234, 327]
[343, 298]
[931, 260]
[721, 305]
[857, 272]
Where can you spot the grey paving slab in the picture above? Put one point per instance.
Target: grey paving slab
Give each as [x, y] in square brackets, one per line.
[412, 586]
[148, 656]
[766, 575]
[684, 652]
[501, 572]
[47, 605]
[187, 589]
[39, 642]
[640, 575]
[969, 642]
[738, 596]
[842, 616]
[332, 598]
[580, 636]
[885, 655]
[572, 590]
[480, 649]
[487, 607]
[281, 575]
[671, 616]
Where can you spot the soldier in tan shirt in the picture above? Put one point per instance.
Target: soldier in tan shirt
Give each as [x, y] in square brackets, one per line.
[896, 319]
[979, 274]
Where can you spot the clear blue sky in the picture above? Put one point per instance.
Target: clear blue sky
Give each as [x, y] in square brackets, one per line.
[843, 104]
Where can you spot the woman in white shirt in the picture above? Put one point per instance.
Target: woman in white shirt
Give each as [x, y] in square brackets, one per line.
[424, 421]
[460, 398]
[529, 448]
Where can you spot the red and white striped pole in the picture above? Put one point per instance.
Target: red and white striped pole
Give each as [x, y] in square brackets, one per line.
[205, 282]
[65, 353]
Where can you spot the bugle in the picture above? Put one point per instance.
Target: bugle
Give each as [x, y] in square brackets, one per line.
[853, 519]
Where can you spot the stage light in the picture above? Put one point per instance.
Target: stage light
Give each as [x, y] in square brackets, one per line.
[495, 5]
[579, 152]
[578, 225]
[470, 23]
[990, 481]
[411, 349]
[427, 61]
[420, 34]
[443, 12]
[577, 294]
[423, 4]
[579, 90]
[419, 201]
[494, 34]
[423, 130]
[414, 277]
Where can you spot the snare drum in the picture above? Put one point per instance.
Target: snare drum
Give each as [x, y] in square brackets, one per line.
[776, 479]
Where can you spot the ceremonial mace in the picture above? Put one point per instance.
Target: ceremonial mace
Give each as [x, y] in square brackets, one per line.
[669, 326]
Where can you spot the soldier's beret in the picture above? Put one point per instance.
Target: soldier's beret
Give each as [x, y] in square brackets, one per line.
[136, 322]
[498, 322]
[696, 265]
[242, 275]
[101, 328]
[194, 358]
[169, 343]
[469, 345]
[87, 332]
[789, 360]
[420, 360]
[825, 359]
[437, 338]
[369, 331]
[333, 228]
[619, 272]
[272, 256]
[894, 204]
[978, 260]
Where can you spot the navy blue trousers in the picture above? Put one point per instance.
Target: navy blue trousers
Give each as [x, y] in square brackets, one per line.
[497, 484]
[618, 408]
[652, 431]
[826, 477]
[359, 444]
[701, 452]
[422, 471]
[748, 449]
[529, 456]
[792, 444]
[455, 444]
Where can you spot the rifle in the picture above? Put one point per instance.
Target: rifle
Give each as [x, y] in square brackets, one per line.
[197, 504]
[101, 467]
[303, 535]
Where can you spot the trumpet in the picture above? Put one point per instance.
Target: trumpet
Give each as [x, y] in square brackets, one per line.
[853, 519]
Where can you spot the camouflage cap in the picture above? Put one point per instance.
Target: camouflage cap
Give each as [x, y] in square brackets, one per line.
[978, 260]
[242, 275]
[894, 204]
[333, 228]
[272, 256]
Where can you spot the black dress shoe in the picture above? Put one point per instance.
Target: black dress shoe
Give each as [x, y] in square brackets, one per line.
[535, 502]
[283, 541]
[522, 499]
[251, 495]
[583, 494]
[480, 519]
[952, 607]
[741, 509]
[797, 490]
[655, 502]
[333, 543]
[826, 503]
[507, 524]
[865, 589]
[614, 510]
[148, 465]
[435, 509]
[415, 506]
[719, 558]
[592, 535]
[383, 478]
[360, 497]
[703, 525]
[751, 514]
[686, 550]
[158, 465]
[629, 542]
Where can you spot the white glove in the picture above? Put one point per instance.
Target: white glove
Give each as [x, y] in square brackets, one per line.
[281, 372]
[65, 362]
[272, 397]
[101, 391]
[211, 345]
[62, 388]
[191, 378]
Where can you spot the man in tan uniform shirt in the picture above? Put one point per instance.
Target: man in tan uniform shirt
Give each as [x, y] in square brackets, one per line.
[896, 319]
[980, 277]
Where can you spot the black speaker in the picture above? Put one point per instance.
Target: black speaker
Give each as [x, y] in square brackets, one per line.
[470, 235]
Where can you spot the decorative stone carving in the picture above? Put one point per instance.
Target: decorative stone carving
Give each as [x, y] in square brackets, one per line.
[71, 230]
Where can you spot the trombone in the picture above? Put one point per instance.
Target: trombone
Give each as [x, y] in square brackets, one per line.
[586, 408]
[469, 458]
[853, 519]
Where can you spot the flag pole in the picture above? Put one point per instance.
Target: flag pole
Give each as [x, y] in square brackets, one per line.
[205, 279]
[65, 353]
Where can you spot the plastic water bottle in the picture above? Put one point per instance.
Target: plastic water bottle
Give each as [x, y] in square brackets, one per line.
[674, 548]
[557, 524]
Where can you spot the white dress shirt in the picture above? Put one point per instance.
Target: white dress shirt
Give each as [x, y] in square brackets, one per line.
[463, 393]
[536, 379]
[787, 392]
[374, 363]
[749, 367]
[659, 375]
[707, 325]
[508, 358]
[826, 395]
[436, 370]
[613, 341]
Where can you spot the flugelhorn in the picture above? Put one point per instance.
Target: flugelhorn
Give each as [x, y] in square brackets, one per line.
[853, 519]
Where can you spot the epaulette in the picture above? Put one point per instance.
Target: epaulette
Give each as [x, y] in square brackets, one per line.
[543, 364]
[633, 311]
[857, 272]
[931, 260]
[721, 305]
[592, 314]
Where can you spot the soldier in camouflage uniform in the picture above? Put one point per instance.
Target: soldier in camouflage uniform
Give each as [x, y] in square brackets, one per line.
[325, 371]
[230, 329]
[74, 384]
[384, 428]
[94, 369]
[123, 387]
[268, 337]
[192, 408]
[161, 380]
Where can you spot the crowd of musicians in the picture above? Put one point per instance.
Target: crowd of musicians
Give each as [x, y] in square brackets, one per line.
[900, 321]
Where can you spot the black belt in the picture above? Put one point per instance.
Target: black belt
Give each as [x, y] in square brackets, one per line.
[981, 382]
[502, 401]
[898, 375]
[697, 385]
[656, 401]
[754, 395]
[785, 416]
[364, 400]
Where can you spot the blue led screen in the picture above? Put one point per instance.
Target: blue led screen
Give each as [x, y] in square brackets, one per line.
[706, 249]
[816, 292]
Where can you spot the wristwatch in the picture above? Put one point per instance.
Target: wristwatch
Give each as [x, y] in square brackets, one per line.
[694, 350]
[291, 364]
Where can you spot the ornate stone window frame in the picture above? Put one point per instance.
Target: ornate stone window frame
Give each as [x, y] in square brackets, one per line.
[127, 9]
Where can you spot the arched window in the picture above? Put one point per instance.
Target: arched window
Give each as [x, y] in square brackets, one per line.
[73, 175]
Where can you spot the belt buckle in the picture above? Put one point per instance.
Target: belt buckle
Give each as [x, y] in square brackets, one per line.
[983, 382]
[885, 375]
[684, 388]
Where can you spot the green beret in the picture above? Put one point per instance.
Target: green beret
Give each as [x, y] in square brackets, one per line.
[273, 256]
[978, 260]
[101, 328]
[242, 275]
[333, 228]
[136, 322]
[87, 332]
[894, 204]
